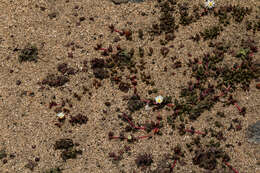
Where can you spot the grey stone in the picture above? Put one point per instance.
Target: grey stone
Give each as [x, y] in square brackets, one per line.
[253, 133]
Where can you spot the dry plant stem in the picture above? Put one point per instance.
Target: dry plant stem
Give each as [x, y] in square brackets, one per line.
[174, 164]
[141, 137]
[223, 92]
[170, 105]
[191, 131]
[155, 130]
[239, 109]
[131, 123]
[103, 49]
[233, 169]
[117, 31]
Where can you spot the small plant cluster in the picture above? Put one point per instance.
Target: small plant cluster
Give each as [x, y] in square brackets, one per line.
[166, 22]
[29, 53]
[55, 80]
[253, 25]
[207, 158]
[65, 70]
[148, 127]
[61, 110]
[110, 67]
[78, 119]
[197, 103]
[119, 156]
[144, 160]
[68, 149]
[237, 12]
[185, 18]
[198, 96]
[211, 33]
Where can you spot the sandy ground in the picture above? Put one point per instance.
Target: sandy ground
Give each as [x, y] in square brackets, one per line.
[28, 129]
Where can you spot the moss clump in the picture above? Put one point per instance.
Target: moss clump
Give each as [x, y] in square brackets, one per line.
[29, 53]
